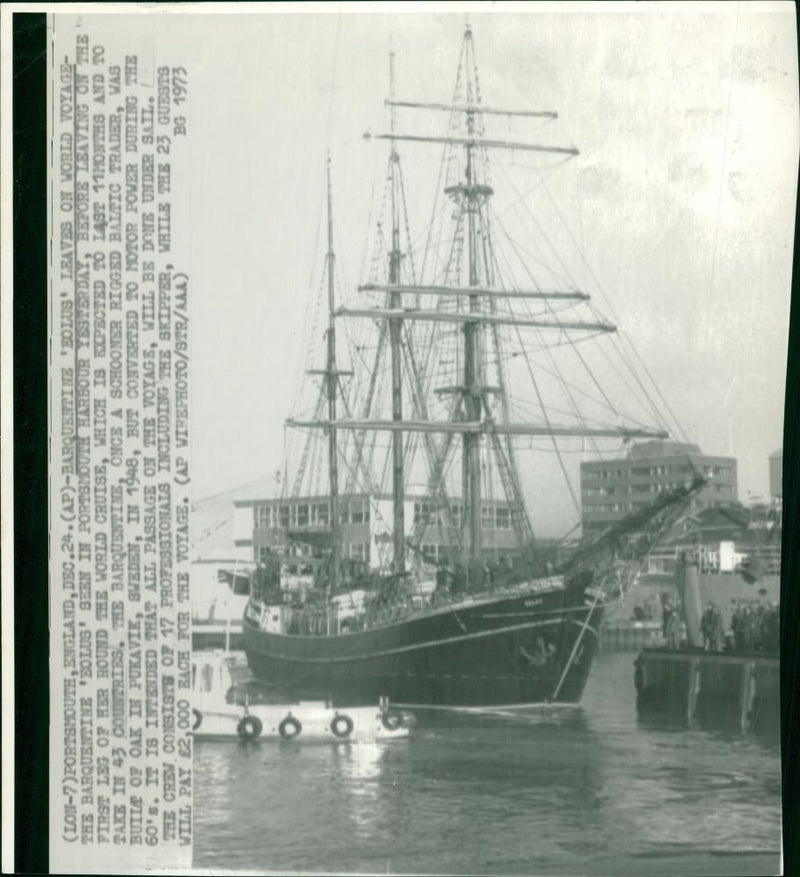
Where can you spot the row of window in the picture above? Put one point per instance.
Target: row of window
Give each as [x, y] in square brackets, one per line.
[306, 514]
[492, 517]
[660, 470]
[625, 490]
[353, 550]
[634, 504]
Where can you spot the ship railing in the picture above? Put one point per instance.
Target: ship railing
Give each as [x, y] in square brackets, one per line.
[328, 620]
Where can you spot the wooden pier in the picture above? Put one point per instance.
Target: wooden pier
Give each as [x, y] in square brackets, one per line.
[710, 689]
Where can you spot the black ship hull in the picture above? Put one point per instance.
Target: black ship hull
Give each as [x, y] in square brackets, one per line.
[503, 652]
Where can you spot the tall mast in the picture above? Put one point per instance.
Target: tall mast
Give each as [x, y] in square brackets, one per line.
[472, 419]
[471, 459]
[333, 465]
[395, 336]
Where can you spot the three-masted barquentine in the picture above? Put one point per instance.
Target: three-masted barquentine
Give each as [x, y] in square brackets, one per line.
[477, 615]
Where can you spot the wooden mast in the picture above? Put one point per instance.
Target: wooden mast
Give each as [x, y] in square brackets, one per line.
[473, 418]
[471, 457]
[332, 380]
[395, 339]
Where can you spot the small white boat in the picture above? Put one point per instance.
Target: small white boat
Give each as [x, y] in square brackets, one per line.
[222, 713]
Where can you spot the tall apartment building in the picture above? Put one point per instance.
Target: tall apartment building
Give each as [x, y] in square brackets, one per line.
[612, 489]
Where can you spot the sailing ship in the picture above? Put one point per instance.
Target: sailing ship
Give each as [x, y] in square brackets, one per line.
[467, 621]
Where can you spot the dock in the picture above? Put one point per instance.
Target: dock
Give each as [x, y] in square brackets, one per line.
[710, 689]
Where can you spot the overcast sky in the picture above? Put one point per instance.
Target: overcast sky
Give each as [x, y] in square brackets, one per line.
[682, 198]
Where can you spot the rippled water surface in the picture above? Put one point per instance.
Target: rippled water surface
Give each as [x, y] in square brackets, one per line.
[585, 790]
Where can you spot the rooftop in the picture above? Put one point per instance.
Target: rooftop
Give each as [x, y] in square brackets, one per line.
[662, 448]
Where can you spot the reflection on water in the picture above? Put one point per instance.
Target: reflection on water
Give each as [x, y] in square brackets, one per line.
[568, 791]
[357, 771]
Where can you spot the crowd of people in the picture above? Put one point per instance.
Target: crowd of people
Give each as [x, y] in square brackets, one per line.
[753, 628]
[757, 629]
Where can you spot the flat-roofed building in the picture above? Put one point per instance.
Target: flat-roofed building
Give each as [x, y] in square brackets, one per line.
[612, 489]
[298, 529]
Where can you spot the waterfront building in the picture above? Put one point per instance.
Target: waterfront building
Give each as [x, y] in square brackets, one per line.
[729, 539]
[297, 529]
[612, 489]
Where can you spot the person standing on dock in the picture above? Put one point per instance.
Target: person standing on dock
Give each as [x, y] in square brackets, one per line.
[707, 627]
[718, 635]
[666, 616]
[736, 627]
[674, 631]
[747, 630]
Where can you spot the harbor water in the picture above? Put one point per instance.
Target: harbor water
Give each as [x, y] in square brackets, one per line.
[573, 790]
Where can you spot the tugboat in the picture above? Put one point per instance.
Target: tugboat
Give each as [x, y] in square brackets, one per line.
[224, 710]
[507, 626]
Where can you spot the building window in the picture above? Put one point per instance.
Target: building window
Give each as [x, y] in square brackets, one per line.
[322, 514]
[503, 519]
[457, 513]
[359, 551]
[487, 517]
[359, 512]
[424, 513]
[284, 516]
[430, 551]
[302, 515]
[261, 514]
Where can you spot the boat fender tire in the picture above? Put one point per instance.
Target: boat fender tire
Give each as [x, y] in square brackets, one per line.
[391, 720]
[290, 728]
[198, 719]
[408, 720]
[638, 677]
[249, 728]
[342, 726]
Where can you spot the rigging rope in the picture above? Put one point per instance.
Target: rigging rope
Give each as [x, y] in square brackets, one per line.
[565, 385]
[622, 336]
[616, 338]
